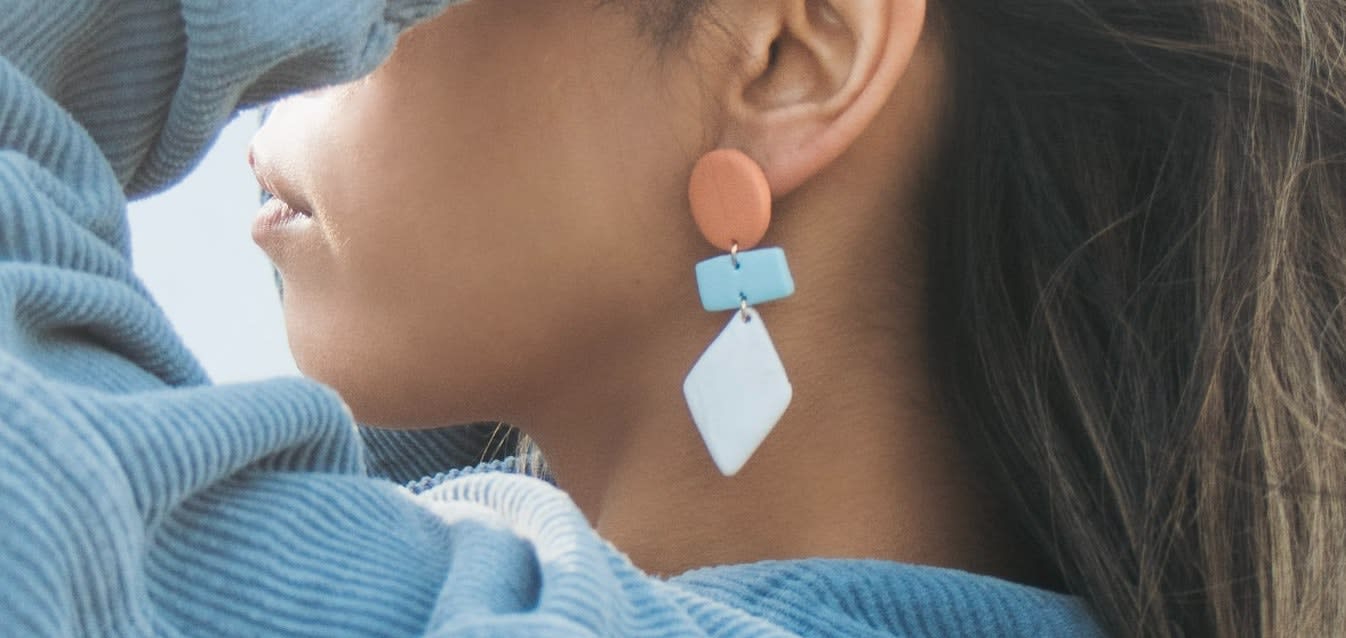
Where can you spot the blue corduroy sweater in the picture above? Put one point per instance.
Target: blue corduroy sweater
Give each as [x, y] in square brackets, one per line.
[136, 499]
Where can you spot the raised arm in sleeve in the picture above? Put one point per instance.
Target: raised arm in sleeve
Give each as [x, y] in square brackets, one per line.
[136, 499]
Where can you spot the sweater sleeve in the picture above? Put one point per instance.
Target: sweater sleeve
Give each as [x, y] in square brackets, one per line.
[135, 498]
[101, 101]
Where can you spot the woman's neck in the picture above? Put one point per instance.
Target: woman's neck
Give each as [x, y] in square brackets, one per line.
[863, 464]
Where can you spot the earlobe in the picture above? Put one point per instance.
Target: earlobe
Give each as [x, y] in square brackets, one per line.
[821, 70]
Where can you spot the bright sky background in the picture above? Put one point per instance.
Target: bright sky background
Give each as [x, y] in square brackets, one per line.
[193, 247]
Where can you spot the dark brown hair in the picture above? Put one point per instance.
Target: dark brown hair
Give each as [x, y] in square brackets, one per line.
[1138, 296]
[1138, 271]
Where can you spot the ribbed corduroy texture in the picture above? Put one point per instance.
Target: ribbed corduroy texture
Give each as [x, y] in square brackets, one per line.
[139, 500]
[406, 456]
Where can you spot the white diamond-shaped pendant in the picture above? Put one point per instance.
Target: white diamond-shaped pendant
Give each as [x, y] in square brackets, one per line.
[737, 391]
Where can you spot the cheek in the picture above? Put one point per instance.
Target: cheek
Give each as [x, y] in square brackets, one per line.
[485, 232]
[458, 252]
[504, 192]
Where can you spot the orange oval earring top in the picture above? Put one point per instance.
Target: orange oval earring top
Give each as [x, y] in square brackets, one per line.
[731, 199]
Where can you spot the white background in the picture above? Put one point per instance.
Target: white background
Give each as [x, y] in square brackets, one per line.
[192, 246]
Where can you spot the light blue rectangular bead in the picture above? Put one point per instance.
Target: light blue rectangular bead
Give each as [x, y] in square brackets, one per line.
[762, 275]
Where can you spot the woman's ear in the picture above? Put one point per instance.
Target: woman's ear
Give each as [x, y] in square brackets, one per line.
[814, 75]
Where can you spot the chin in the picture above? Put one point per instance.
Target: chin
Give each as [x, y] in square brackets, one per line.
[395, 365]
[386, 390]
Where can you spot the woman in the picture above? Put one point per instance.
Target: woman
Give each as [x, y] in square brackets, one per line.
[1064, 356]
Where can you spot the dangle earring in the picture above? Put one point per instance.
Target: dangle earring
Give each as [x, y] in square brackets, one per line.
[738, 390]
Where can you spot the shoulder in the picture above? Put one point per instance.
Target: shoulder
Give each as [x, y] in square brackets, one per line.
[579, 575]
[870, 597]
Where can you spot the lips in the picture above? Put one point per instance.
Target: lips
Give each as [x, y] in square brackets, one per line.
[274, 214]
[279, 187]
[285, 216]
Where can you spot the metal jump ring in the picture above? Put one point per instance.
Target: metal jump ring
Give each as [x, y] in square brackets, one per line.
[743, 308]
[733, 255]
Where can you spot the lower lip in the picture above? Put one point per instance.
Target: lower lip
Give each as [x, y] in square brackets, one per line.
[277, 218]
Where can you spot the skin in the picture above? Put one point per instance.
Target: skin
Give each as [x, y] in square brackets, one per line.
[500, 230]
